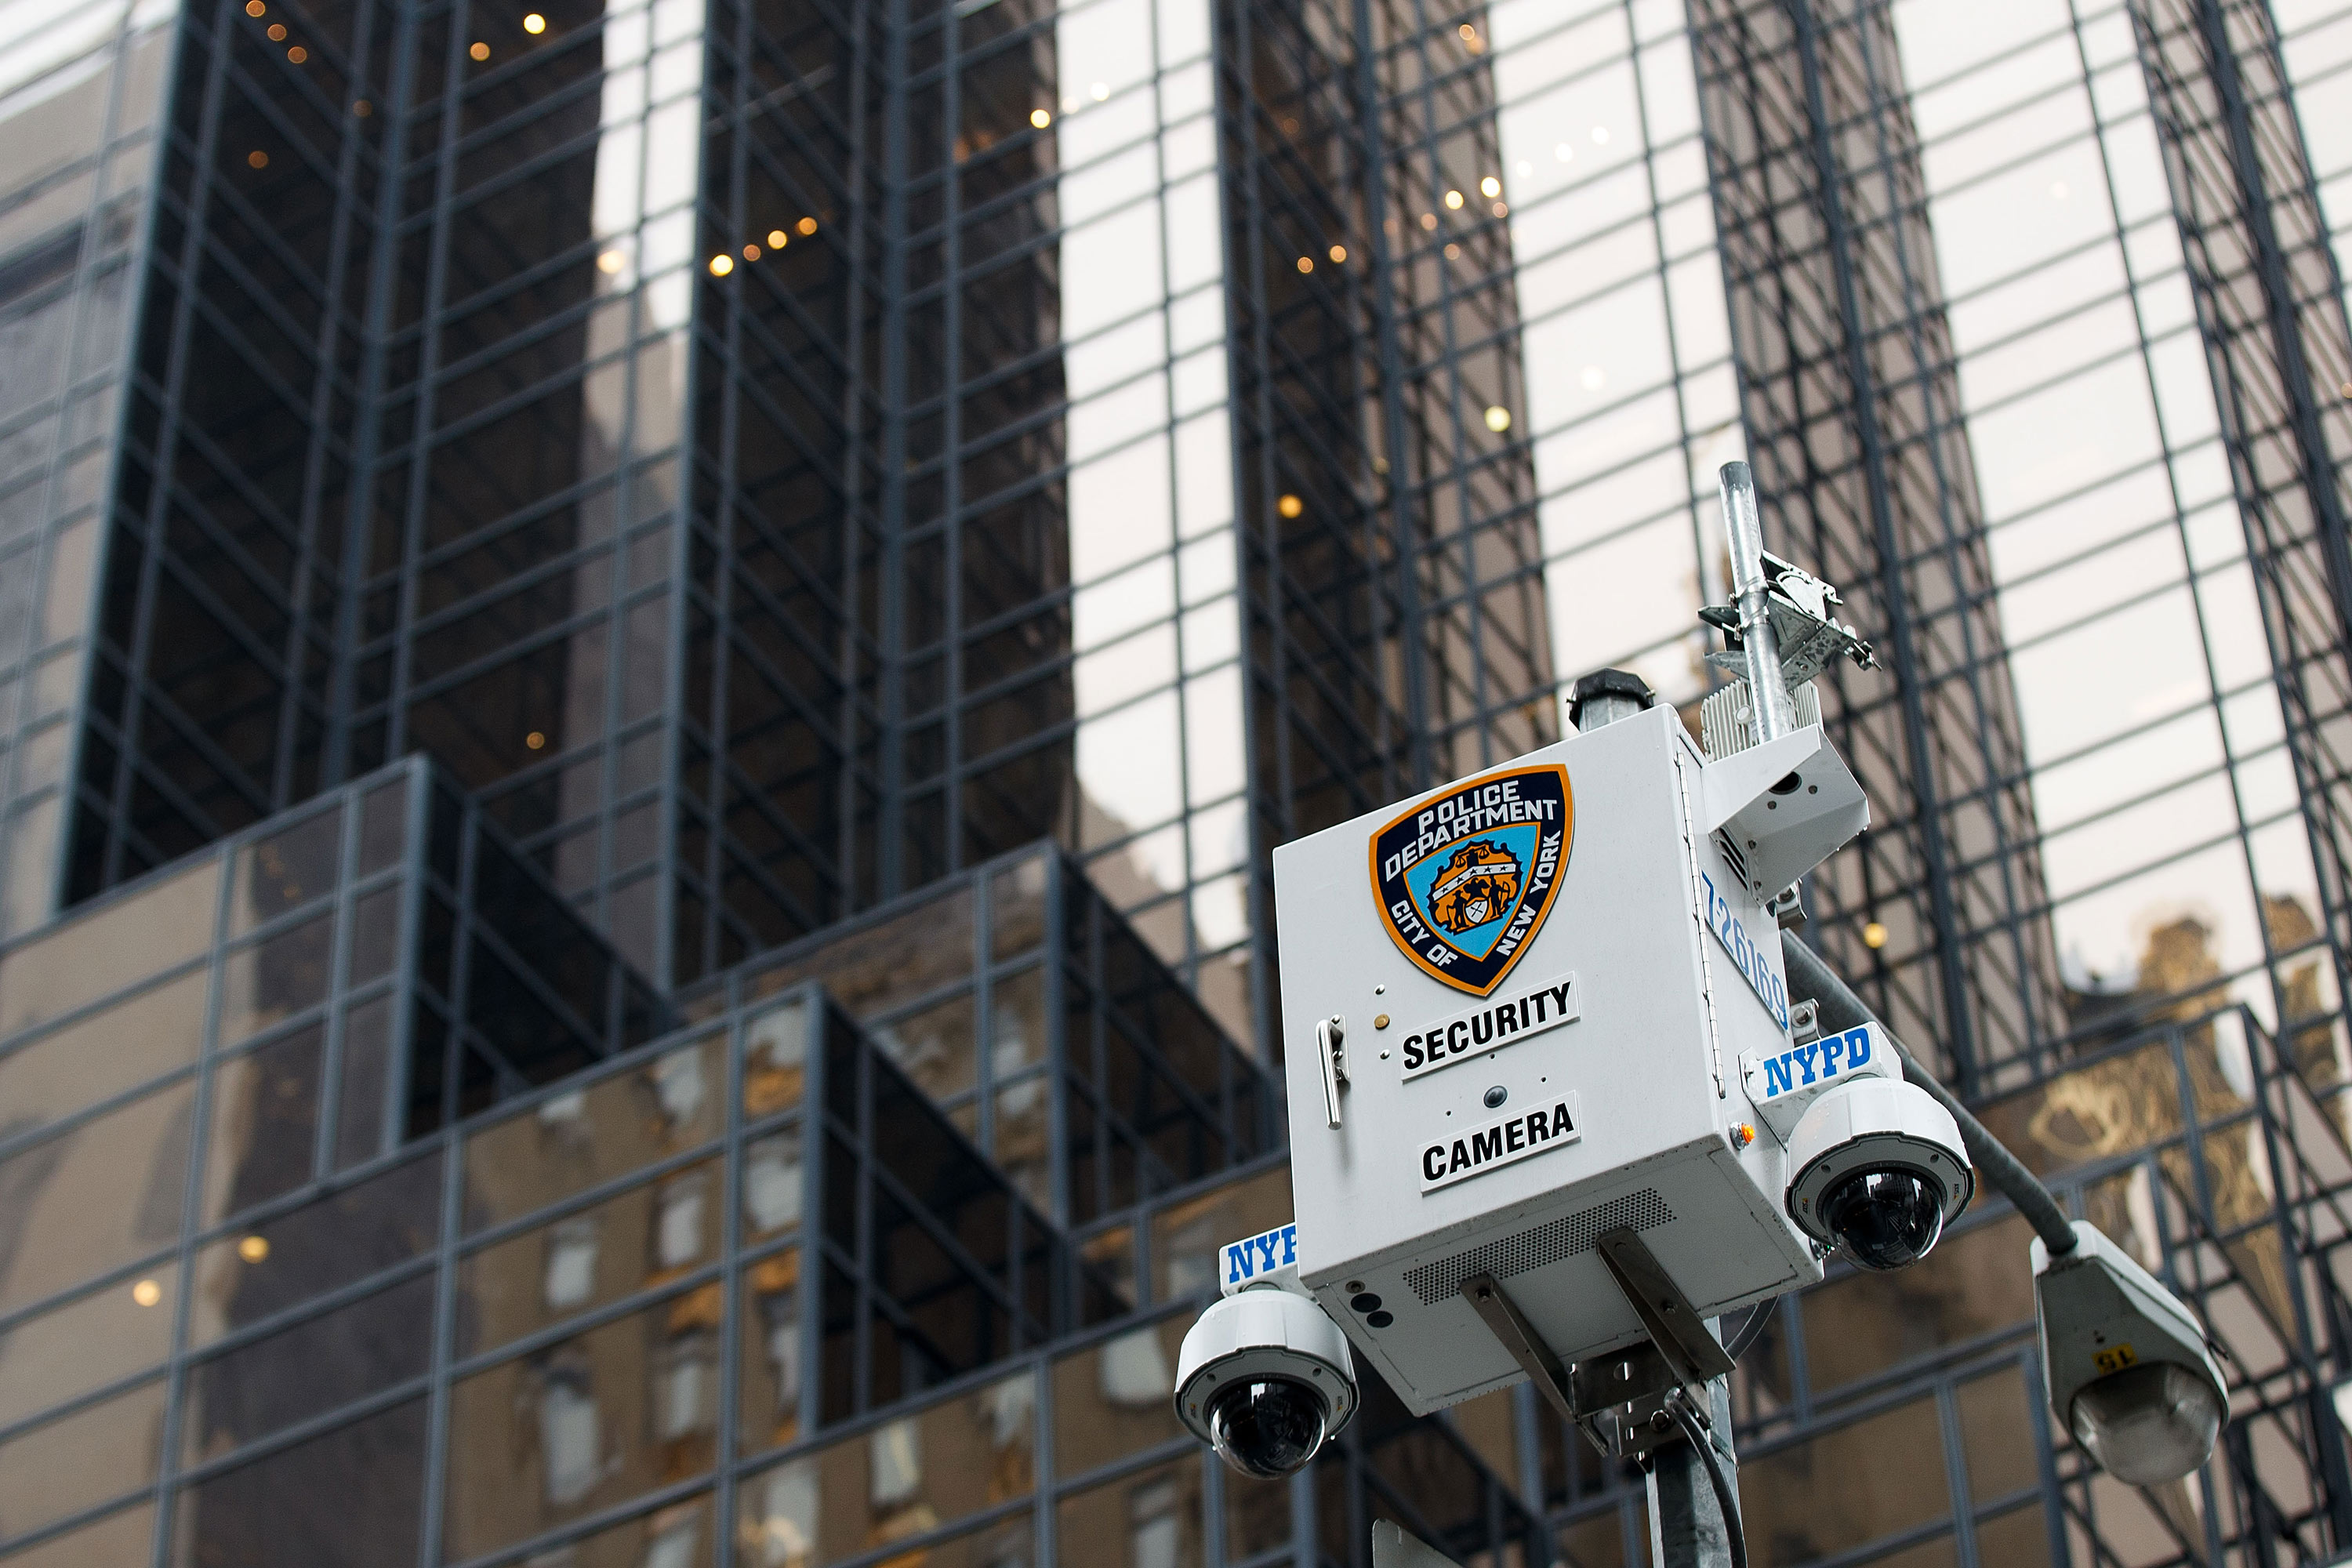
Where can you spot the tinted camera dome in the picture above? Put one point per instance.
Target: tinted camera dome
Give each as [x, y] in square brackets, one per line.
[1885, 1219]
[1267, 1426]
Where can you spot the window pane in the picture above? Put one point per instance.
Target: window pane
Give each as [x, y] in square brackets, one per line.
[276, 978]
[1783, 1497]
[337, 1241]
[308, 1370]
[126, 1537]
[286, 871]
[558, 1146]
[265, 1122]
[772, 1354]
[1147, 1521]
[125, 1045]
[82, 1460]
[627, 1243]
[350, 1498]
[90, 1340]
[584, 1425]
[143, 934]
[96, 1197]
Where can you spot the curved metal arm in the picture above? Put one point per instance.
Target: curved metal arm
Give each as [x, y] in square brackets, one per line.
[1842, 1009]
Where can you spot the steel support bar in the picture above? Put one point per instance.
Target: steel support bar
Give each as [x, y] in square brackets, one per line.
[1842, 1009]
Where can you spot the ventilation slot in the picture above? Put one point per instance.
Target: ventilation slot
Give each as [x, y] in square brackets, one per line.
[1738, 862]
[1546, 1243]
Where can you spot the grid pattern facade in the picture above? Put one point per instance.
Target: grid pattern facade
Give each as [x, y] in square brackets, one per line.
[845, 534]
[1861, 455]
[79, 99]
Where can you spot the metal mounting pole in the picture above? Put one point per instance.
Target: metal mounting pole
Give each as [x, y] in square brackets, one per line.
[1687, 1529]
[1774, 710]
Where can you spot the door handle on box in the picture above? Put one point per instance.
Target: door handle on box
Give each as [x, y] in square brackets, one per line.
[1331, 1052]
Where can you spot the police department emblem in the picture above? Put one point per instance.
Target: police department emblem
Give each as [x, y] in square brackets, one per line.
[1465, 880]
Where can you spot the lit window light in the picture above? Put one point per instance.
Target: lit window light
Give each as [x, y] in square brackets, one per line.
[297, 54]
[1523, 168]
[534, 23]
[721, 265]
[1041, 118]
[1290, 506]
[1490, 186]
[1453, 253]
[778, 239]
[611, 262]
[1594, 378]
[1874, 936]
[1601, 136]
[257, 158]
[1429, 220]
[1306, 264]
[1454, 201]
[1468, 32]
[1101, 90]
[536, 739]
[1338, 253]
[480, 51]
[1502, 209]
[806, 225]
[147, 1293]
[1564, 153]
[255, 8]
[254, 1248]
[1498, 419]
[750, 252]
[363, 109]
[276, 32]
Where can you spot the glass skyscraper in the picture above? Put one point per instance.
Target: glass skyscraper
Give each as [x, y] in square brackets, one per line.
[650, 654]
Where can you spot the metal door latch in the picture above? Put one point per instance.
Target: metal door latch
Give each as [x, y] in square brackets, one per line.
[1331, 1050]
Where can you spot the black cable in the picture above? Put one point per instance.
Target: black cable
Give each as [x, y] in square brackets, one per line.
[1841, 1009]
[1734, 1534]
[1757, 1316]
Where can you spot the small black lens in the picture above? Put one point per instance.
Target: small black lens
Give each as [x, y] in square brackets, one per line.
[1885, 1219]
[1379, 1320]
[1268, 1426]
[1365, 1302]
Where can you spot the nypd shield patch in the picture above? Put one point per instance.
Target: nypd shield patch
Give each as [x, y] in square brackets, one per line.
[1464, 879]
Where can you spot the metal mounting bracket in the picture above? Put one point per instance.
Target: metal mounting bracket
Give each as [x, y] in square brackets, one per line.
[1621, 1401]
[1504, 1321]
[1677, 1331]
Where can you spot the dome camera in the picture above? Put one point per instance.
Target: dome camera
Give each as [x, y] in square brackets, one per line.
[1264, 1378]
[1879, 1171]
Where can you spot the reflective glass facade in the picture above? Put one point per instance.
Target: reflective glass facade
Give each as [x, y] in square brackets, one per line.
[650, 654]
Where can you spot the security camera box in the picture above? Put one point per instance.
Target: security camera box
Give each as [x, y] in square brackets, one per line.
[1544, 978]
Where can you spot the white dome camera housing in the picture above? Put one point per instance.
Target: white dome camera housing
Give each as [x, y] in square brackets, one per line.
[1878, 1171]
[1264, 1377]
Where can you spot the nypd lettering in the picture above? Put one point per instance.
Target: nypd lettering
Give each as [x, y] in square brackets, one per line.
[1475, 1150]
[1465, 880]
[1547, 1005]
[1745, 956]
[1262, 1254]
[1801, 1067]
